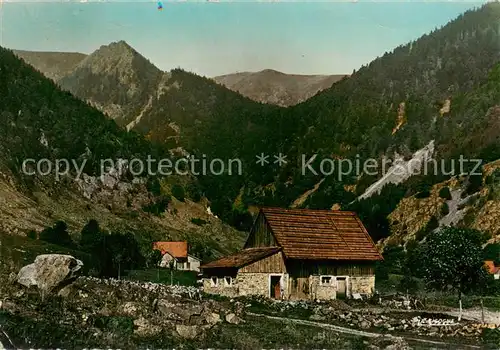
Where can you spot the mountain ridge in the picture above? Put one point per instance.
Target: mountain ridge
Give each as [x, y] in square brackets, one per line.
[275, 87]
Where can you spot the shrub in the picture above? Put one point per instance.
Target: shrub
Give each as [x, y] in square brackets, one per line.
[381, 271]
[408, 283]
[158, 207]
[423, 194]
[58, 234]
[445, 193]
[474, 184]
[445, 210]
[428, 228]
[493, 178]
[198, 221]
[178, 192]
[492, 252]
[32, 234]
[491, 338]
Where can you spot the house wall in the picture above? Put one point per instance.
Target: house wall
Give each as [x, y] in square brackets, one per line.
[166, 259]
[301, 280]
[194, 264]
[189, 264]
[253, 279]
[220, 289]
[272, 264]
[259, 283]
[362, 285]
[260, 234]
[305, 279]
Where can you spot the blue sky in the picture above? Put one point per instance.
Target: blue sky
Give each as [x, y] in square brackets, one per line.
[218, 38]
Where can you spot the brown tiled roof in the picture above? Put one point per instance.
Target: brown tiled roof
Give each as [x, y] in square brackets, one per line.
[242, 258]
[176, 249]
[321, 234]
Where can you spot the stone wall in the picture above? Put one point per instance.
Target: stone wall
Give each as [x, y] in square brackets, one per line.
[253, 283]
[323, 292]
[258, 284]
[221, 289]
[362, 285]
[355, 285]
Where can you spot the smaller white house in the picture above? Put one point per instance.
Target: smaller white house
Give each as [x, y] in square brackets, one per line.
[176, 253]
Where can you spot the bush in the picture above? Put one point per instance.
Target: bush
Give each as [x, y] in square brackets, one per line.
[445, 210]
[381, 271]
[423, 194]
[32, 234]
[408, 283]
[178, 192]
[198, 221]
[493, 178]
[474, 184]
[491, 338]
[58, 234]
[117, 324]
[158, 207]
[492, 252]
[445, 193]
[428, 228]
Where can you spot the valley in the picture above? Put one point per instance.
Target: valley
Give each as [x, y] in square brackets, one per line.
[402, 124]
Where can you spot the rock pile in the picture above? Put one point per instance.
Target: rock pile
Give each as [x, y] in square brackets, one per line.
[160, 289]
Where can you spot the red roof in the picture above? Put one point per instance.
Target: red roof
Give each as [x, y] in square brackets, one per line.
[242, 258]
[176, 249]
[490, 266]
[321, 234]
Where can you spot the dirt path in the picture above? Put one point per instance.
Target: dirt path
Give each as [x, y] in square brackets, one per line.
[491, 317]
[472, 314]
[364, 333]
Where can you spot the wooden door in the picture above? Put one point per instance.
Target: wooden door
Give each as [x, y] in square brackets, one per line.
[341, 287]
[275, 287]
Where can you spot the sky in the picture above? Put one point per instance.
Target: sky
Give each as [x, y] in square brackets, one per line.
[226, 37]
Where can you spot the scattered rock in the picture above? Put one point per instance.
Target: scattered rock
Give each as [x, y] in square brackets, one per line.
[233, 319]
[316, 317]
[145, 328]
[213, 318]
[187, 332]
[130, 308]
[365, 325]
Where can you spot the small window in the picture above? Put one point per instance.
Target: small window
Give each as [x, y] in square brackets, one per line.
[213, 281]
[326, 280]
[228, 281]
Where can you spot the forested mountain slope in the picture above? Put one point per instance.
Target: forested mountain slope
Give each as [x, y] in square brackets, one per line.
[42, 122]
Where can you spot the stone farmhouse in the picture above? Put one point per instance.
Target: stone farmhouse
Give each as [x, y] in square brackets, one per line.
[177, 253]
[298, 254]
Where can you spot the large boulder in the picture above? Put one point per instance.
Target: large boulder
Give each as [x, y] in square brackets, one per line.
[50, 272]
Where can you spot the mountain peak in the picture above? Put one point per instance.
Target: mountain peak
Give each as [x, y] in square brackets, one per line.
[271, 71]
[115, 73]
[121, 45]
